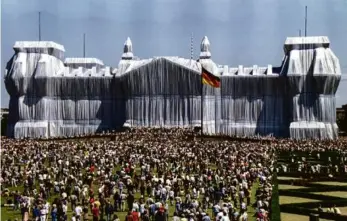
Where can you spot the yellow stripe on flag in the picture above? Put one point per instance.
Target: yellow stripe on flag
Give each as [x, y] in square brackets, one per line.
[205, 82]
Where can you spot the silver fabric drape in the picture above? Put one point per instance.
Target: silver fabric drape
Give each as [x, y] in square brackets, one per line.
[51, 97]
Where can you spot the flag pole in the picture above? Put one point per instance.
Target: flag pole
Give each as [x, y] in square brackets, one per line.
[84, 45]
[39, 26]
[305, 21]
[191, 47]
[202, 105]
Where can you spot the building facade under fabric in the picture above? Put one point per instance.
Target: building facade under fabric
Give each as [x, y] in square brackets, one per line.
[53, 97]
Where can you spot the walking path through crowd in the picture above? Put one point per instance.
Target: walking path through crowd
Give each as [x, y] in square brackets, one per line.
[144, 174]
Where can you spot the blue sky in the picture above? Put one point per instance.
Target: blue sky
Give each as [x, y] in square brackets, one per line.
[241, 32]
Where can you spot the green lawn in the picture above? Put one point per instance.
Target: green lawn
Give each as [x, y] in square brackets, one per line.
[290, 187]
[292, 217]
[8, 213]
[290, 199]
[341, 194]
[288, 178]
[328, 183]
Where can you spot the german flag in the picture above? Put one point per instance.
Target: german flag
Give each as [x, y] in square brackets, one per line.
[210, 79]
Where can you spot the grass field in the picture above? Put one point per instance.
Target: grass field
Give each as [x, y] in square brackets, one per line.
[9, 213]
[289, 199]
[288, 178]
[290, 187]
[341, 194]
[328, 183]
[291, 217]
[294, 217]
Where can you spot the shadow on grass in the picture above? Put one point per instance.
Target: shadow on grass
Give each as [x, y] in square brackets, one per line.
[313, 191]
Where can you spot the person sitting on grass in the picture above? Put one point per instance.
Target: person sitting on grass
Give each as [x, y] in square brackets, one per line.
[330, 210]
[336, 210]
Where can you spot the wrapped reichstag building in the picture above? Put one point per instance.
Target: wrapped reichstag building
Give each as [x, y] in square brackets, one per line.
[53, 96]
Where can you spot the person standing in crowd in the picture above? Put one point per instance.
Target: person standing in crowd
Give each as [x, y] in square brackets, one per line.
[95, 212]
[54, 213]
[143, 171]
[129, 217]
[109, 211]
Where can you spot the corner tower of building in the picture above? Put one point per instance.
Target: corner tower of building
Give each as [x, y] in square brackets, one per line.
[313, 74]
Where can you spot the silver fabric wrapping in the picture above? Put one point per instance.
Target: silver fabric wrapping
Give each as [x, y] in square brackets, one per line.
[51, 97]
[313, 73]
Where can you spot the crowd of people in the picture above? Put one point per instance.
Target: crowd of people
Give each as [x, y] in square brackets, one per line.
[145, 174]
